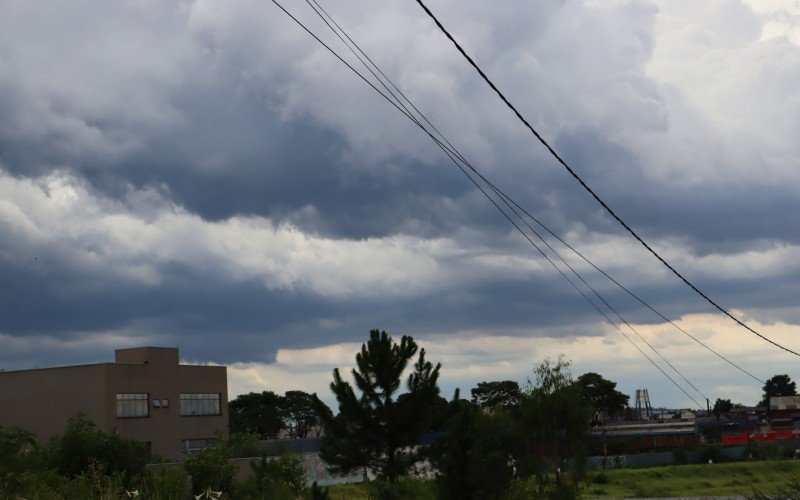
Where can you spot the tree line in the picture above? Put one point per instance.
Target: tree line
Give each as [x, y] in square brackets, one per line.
[505, 436]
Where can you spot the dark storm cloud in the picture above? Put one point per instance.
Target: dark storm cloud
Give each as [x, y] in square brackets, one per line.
[172, 124]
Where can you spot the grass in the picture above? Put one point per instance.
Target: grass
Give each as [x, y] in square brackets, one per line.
[735, 478]
[692, 480]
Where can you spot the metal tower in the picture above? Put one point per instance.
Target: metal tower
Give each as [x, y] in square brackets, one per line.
[643, 404]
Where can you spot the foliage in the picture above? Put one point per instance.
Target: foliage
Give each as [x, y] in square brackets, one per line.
[283, 477]
[711, 433]
[317, 493]
[403, 489]
[166, 483]
[81, 447]
[301, 418]
[475, 457]
[260, 413]
[211, 468]
[602, 394]
[779, 385]
[245, 445]
[379, 429]
[16, 448]
[790, 491]
[713, 453]
[555, 415]
[496, 395]
[722, 407]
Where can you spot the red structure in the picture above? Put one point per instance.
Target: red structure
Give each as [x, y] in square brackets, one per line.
[742, 438]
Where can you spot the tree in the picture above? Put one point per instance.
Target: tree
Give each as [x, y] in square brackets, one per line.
[379, 429]
[301, 418]
[496, 395]
[474, 458]
[722, 406]
[602, 394]
[779, 385]
[556, 416]
[262, 413]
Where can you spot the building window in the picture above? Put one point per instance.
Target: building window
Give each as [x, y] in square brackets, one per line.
[132, 405]
[200, 404]
[194, 445]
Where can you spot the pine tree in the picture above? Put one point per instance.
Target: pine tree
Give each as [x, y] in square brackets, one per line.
[379, 429]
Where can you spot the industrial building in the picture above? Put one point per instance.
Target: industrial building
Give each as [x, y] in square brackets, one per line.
[650, 434]
[145, 394]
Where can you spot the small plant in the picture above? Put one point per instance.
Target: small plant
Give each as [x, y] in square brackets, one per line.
[317, 493]
[283, 477]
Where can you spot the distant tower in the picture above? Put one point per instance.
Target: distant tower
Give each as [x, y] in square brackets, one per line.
[643, 404]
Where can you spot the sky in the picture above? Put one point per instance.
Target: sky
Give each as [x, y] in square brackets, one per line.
[205, 175]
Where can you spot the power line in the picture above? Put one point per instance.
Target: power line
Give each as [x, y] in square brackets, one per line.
[499, 192]
[408, 114]
[591, 191]
[319, 10]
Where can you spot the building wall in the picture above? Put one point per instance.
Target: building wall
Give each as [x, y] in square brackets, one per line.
[43, 400]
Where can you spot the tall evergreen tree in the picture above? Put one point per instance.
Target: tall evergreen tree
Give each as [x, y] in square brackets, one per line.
[378, 429]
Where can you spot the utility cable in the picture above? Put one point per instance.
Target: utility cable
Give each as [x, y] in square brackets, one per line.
[328, 19]
[591, 191]
[452, 158]
[497, 190]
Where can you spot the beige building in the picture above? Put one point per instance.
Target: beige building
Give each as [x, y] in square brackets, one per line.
[144, 394]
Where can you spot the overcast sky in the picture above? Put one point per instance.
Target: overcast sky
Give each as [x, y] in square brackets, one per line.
[204, 175]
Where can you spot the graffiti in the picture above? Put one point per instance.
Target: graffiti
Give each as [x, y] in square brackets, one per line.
[610, 462]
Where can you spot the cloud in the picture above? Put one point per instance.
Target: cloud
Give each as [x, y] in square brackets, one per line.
[203, 174]
[479, 356]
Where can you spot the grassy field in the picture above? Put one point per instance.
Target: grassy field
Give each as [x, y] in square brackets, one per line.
[692, 480]
[666, 481]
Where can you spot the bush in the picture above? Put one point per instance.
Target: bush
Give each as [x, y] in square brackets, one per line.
[475, 456]
[279, 478]
[713, 453]
[82, 450]
[211, 468]
[167, 483]
[16, 447]
[246, 445]
[317, 493]
[679, 456]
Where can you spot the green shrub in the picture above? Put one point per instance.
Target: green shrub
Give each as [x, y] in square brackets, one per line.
[166, 483]
[317, 493]
[82, 449]
[279, 478]
[16, 449]
[211, 468]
